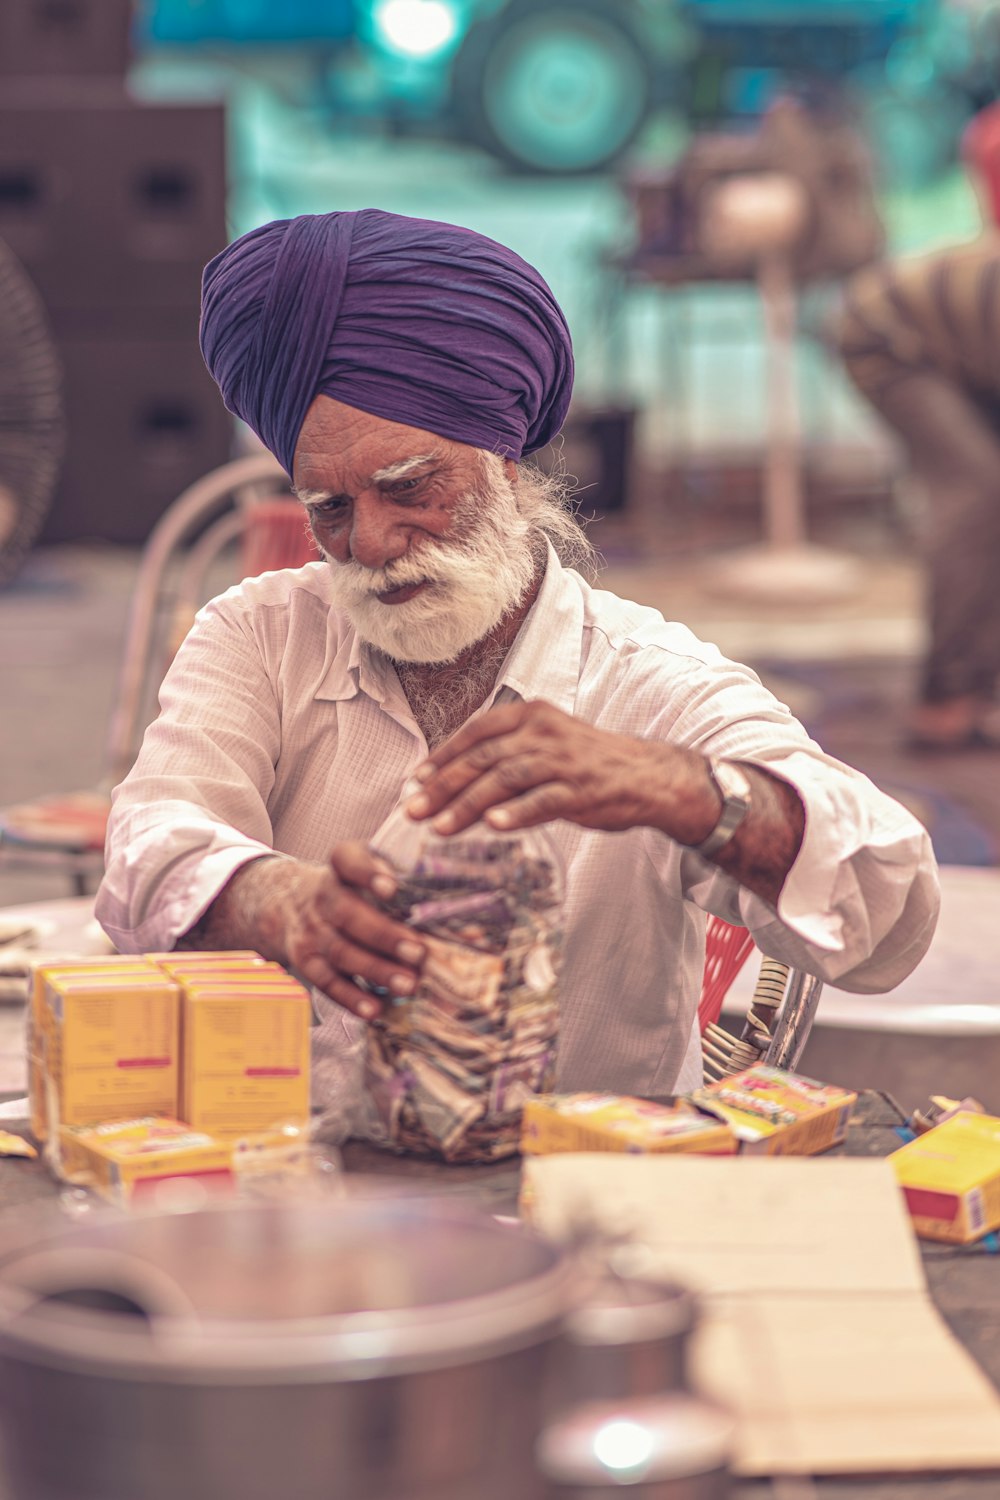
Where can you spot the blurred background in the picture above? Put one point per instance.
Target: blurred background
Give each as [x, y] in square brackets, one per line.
[713, 422]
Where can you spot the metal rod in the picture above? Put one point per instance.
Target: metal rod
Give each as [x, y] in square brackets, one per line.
[795, 1021]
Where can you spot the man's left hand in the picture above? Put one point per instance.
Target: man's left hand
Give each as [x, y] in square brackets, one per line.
[528, 763]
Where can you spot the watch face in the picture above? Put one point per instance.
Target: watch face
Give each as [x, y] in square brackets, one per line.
[734, 788]
[733, 782]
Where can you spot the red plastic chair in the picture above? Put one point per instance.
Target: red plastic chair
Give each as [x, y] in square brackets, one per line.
[727, 949]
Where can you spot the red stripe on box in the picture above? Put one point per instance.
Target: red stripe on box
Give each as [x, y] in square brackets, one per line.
[143, 1062]
[210, 1176]
[924, 1204]
[272, 1073]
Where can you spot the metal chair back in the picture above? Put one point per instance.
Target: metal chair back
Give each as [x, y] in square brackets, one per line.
[245, 505]
[778, 1019]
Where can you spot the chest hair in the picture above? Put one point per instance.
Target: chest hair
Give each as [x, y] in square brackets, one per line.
[442, 698]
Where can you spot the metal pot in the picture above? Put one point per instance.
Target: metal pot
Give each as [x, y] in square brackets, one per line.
[363, 1349]
[356, 1348]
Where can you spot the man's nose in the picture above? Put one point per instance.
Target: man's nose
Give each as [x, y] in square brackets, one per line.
[376, 537]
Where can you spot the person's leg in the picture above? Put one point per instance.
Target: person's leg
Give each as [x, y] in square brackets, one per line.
[905, 333]
[954, 448]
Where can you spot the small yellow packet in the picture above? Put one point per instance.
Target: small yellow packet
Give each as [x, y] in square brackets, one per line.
[15, 1145]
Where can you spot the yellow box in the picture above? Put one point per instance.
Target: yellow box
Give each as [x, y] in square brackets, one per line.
[124, 1159]
[612, 1122]
[111, 1046]
[775, 1113]
[179, 965]
[181, 957]
[244, 1054]
[950, 1178]
[38, 1021]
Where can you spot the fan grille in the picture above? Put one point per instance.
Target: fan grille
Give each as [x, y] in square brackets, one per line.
[31, 414]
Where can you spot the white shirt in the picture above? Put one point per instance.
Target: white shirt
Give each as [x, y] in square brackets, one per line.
[280, 730]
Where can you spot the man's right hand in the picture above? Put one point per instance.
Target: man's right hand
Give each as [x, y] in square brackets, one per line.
[321, 920]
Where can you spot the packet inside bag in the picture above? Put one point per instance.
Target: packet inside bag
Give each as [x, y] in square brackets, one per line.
[447, 1070]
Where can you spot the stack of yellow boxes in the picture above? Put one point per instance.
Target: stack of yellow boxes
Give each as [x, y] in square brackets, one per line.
[167, 1064]
[102, 1042]
[244, 1044]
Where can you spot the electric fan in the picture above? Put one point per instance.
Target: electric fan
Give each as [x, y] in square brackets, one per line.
[31, 414]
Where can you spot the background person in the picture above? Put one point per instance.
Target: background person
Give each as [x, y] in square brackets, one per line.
[920, 340]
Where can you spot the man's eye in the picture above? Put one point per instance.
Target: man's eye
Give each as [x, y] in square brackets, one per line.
[327, 508]
[407, 486]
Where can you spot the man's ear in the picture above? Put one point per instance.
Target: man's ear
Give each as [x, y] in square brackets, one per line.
[511, 470]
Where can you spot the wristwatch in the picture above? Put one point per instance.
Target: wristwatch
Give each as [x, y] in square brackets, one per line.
[733, 786]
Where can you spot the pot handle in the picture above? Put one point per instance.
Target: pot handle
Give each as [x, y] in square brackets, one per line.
[105, 1280]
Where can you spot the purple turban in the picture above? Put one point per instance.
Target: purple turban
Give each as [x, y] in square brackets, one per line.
[423, 323]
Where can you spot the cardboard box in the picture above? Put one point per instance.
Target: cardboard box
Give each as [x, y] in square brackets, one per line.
[186, 961]
[45, 1040]
[950, 1178]
[774, 1113]
[124, 1159]
[816, 1330]
[39, 1019]
[245, 1044]
[613, 1122]
[110, 1045]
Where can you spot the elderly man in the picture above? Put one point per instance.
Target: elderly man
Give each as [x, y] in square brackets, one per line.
[400, 369]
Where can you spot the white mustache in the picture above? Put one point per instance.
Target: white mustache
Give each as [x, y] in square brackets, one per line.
[432, 564]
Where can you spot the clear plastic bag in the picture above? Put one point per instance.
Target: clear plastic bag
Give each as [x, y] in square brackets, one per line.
[448, 1069]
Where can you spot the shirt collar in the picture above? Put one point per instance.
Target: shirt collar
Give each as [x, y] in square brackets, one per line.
[544, 661]
[351, 666]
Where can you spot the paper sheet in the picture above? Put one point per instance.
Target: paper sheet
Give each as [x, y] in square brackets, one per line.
[817, 1327]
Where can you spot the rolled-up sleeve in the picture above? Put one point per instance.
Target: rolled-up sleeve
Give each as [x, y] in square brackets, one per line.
[860, 902]
[194, 807]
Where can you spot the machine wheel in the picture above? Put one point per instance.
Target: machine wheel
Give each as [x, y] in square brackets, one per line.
[554, 87]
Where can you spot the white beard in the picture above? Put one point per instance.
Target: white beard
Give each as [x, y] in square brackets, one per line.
[472, 582]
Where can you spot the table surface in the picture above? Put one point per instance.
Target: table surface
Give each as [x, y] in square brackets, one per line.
[963, 1282]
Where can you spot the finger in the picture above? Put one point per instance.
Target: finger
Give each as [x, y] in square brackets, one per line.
[508, 780]
[343, 960]
[498, 721]
[355, 864]
[448, 782]
[543, 804]
[340, 988]
[366, 927]
[357, 963]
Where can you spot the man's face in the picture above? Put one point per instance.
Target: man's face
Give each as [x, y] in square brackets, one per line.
[428, 549]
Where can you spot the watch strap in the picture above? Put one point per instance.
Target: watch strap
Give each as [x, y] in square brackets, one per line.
[733, 787]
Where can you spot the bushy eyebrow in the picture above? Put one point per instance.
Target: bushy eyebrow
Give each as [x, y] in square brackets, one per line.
[389, 475]
[311, 497]
[402, 468]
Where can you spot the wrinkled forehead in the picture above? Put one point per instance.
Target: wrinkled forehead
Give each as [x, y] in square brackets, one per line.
[342, 446]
